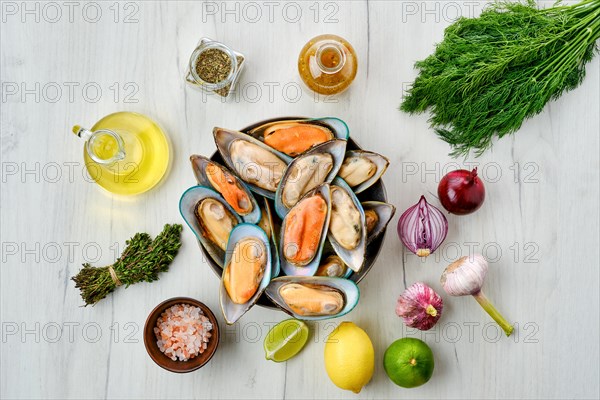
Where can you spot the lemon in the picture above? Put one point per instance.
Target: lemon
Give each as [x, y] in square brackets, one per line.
[408, 362]
[349, 357]
[285, 340]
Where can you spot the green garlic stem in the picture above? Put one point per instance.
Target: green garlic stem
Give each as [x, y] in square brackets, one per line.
[495, 314]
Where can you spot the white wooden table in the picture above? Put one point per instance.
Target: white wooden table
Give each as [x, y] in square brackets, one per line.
[69, 63]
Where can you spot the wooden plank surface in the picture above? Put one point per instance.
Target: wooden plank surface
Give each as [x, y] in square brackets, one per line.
[62, 66]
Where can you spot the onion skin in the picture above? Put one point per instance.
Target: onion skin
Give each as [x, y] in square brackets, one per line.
[461, 192]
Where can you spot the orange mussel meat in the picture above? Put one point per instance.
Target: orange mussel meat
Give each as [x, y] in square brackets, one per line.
[371, 219]
[229, 187]
[295, 138]
[303, 229]
[243, 274]
[308, 299]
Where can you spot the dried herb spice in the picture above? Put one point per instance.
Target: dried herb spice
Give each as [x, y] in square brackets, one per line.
[141, 261]
[225, 91]
[213, 66]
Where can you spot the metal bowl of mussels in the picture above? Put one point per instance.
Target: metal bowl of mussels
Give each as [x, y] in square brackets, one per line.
[270, 206]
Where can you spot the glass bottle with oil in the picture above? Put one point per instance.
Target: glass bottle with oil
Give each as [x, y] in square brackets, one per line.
[126, 153]
[327, 64]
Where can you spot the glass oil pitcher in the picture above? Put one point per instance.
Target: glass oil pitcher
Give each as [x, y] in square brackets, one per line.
[327, 64]
[126, 153]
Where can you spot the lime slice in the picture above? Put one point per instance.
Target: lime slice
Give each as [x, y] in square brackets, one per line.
[285, 340]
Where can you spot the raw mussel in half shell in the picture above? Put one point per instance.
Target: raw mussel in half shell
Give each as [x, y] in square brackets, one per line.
[232, 189]
[377, 217]
[361, 169]
[303, 232]
[247, 270]
[255, 163]
[294, 137]
[314, 297]
[307, 171]
[333, 266]
[210, 218]
[347, 233]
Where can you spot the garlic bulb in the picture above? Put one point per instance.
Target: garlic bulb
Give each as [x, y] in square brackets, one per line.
[420, 306]
[465, 277]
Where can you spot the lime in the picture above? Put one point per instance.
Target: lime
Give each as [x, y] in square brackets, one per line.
[349, 357]
[285, 340]
[408, 362]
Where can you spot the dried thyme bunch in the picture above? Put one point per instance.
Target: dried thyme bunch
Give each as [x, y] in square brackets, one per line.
[142, 260]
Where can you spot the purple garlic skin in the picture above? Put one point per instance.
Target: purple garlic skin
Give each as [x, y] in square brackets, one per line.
[420, 306]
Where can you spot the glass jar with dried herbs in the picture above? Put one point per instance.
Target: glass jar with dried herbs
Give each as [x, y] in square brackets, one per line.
[214, 67]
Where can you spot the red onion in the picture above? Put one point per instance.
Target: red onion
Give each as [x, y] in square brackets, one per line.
[420, 306]
[422, 228]
[461, 192]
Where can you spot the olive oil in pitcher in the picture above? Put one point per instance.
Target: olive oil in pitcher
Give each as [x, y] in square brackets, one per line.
[126, 153]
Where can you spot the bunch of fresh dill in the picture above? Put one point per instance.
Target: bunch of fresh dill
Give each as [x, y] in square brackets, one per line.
[142, 260]
[491, 73]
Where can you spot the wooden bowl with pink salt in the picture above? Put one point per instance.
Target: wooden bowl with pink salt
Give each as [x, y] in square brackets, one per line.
[181, 334]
